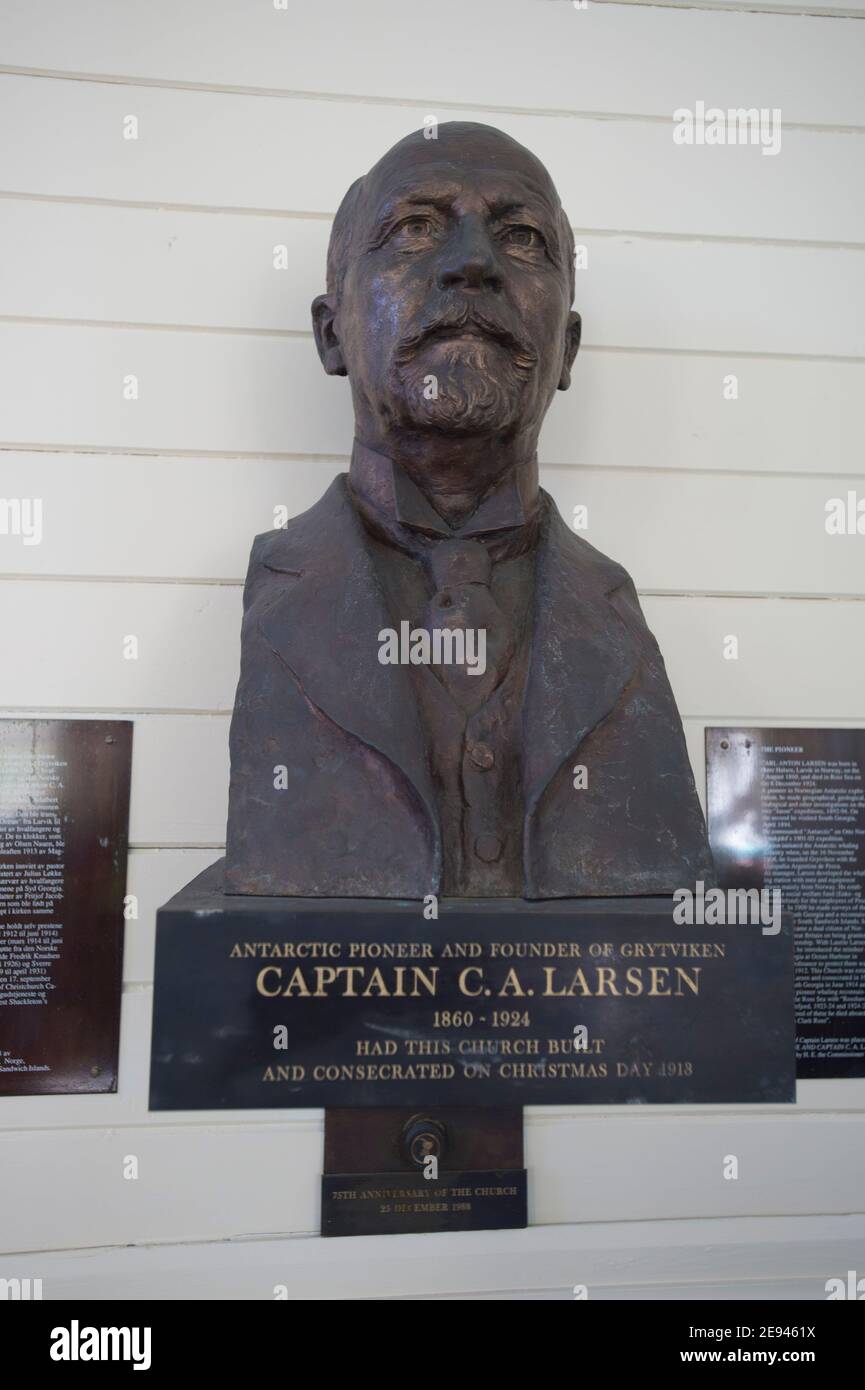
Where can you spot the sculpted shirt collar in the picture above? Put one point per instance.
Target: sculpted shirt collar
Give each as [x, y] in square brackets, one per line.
[392, 504]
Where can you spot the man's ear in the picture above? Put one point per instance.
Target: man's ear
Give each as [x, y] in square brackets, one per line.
[329, 350]
[572, 343]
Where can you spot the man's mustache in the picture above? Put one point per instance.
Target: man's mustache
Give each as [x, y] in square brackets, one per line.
[455, 318]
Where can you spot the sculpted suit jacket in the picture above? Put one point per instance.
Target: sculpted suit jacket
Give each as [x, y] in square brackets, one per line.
[354, 814]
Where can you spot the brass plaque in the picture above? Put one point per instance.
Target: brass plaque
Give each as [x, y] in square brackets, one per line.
[64, 813]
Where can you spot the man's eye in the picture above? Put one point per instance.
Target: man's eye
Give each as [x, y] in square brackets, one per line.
[414, 229]
[527, 238]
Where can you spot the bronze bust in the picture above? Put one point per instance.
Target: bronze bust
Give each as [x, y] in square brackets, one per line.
[445, 690]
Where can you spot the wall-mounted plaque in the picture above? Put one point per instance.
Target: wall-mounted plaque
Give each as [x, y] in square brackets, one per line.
[279, 1002]
[787, 813]
[64, 809]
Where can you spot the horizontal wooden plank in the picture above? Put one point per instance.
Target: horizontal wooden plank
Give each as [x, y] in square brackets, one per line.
[180, 769]
[234, 151]
[852, 10]
[203, 392]
[150, 516]
[138, 265]
[214, 1179]
[67, 1190]
[76, 640]
[601, 59]
[146, 517]
[65, 645]
[754, 1258]
[153, 876]
[793, 655]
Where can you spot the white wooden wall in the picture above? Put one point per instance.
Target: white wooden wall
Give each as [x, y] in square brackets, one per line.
[154, 257]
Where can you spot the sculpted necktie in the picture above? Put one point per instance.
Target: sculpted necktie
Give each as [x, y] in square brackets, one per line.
[463, 604]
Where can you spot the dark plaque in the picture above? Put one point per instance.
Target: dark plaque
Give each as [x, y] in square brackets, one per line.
[787, 814]
[389, 1171]
[373, 1204]
[64, 808]
[304, 1002]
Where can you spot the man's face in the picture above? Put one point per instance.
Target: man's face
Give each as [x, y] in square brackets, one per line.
[453, 314]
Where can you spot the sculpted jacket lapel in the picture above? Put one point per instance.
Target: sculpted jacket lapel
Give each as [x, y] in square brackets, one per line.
[324, 625]
[328, 609]
[583, 655]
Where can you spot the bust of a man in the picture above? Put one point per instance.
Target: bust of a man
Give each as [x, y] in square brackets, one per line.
[443, 689]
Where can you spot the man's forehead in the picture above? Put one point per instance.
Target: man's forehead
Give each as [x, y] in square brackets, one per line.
[497, 171]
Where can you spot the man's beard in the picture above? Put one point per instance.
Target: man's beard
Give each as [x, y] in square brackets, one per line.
[468, 385]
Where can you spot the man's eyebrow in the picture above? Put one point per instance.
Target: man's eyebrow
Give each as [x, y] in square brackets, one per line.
[537, 207]
[441, 198]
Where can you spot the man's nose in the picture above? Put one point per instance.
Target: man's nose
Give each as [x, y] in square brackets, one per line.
[469, 260]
